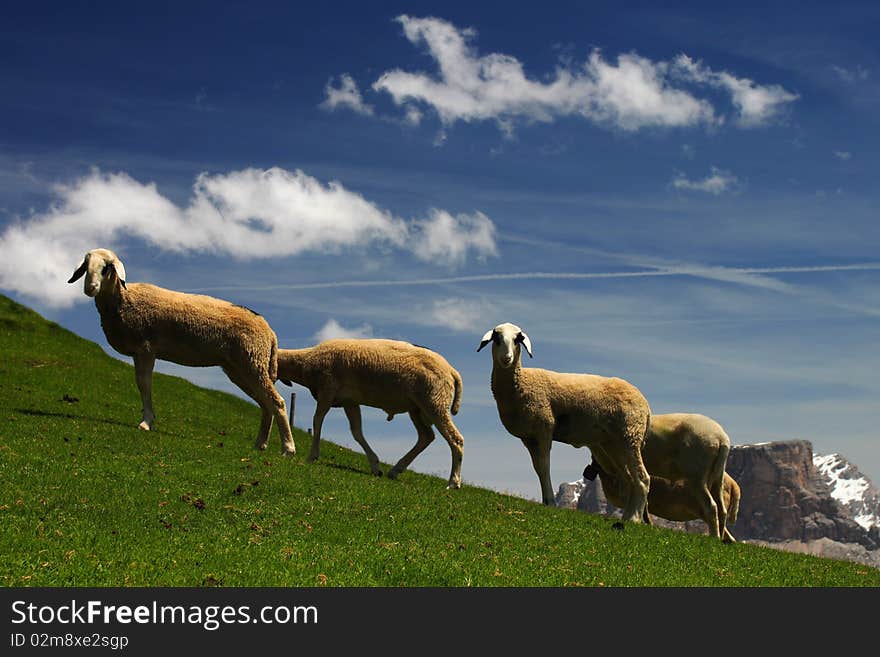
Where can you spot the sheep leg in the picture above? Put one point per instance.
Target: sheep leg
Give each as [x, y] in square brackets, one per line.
[709, 510]
[718, 498]
[727, 537]
[273, 403]
[259, 388]
[143, 376]
[716, 488]
[639, 482]
[353, 413]
[456, 445]
[321, 409]
[425, 438]
[540, 452]
[265, 414]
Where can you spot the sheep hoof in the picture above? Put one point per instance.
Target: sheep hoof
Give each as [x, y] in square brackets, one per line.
[377, 472]
[288, 451]
[618, 526]
[145, 426]
[453, 485]
[392, 473]
[311, 458]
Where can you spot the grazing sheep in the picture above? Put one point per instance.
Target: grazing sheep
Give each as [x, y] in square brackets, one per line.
[673, 500]
[149, 322]
[691, 448]
[539, 406]
[395, 376]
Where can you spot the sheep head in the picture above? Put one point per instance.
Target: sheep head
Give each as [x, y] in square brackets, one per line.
[506, 340]
[99, 266]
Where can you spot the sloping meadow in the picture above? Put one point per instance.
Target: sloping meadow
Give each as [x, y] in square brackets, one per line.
[87, 499]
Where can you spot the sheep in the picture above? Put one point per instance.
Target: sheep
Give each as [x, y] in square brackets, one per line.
[391, 375]
[689, 448]
[148, 322]
[673, 500]
[539, 406]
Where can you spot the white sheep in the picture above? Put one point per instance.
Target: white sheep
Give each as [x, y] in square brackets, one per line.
[395, 376]
[539, 406]
[148, 322]
[691, 448]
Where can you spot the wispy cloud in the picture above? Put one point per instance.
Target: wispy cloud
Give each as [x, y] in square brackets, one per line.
[252, 213]
[629, 93]
[851, 75]
[842, 155]
[756, 104]
[346, 95]
[717, 182]
[333, 329]
[458, 314]
[744, 275]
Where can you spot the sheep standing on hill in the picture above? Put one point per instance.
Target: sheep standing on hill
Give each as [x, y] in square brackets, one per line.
[395, 376]
[689, 448]
[149, 322]
[673, 500]
[539, 406]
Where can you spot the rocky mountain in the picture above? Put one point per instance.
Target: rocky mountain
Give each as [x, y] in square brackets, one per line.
[851, 488]
[791, 499]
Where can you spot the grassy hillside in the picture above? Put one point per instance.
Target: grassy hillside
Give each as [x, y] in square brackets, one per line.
[87, 499]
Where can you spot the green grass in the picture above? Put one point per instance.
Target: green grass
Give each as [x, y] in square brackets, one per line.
[87, 499]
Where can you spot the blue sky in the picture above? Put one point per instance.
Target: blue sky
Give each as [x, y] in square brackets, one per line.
[694, 186]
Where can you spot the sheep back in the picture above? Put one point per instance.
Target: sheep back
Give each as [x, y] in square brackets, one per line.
[189, 329]
[683, 445]
[580, 409]
[374, 371]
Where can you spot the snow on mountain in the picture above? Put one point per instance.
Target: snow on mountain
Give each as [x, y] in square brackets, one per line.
[851, 488]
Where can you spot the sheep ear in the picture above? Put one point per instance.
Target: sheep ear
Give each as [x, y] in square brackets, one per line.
[487, 338]
[590, 472]
[117, 268]
[524, 340]
[78, 273]
[120, 271]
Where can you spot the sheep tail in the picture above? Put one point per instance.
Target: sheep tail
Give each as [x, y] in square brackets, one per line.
[734, 506]
[456, 400]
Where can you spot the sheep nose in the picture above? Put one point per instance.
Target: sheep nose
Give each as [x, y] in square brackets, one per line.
[506, 360]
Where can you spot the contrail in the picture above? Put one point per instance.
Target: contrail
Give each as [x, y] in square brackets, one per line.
[698, 271]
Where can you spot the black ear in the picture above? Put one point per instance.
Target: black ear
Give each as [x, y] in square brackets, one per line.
[78, 273]
[590, 472]
[487, 338]
[523, 339]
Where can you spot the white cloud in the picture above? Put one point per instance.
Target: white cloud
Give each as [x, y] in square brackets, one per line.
[333, 329]
[346, 94]
[630, 93]
[252, 213]
[756, 104]
[447, 239]
[842, 155]
[458, 314]
[717, 182]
